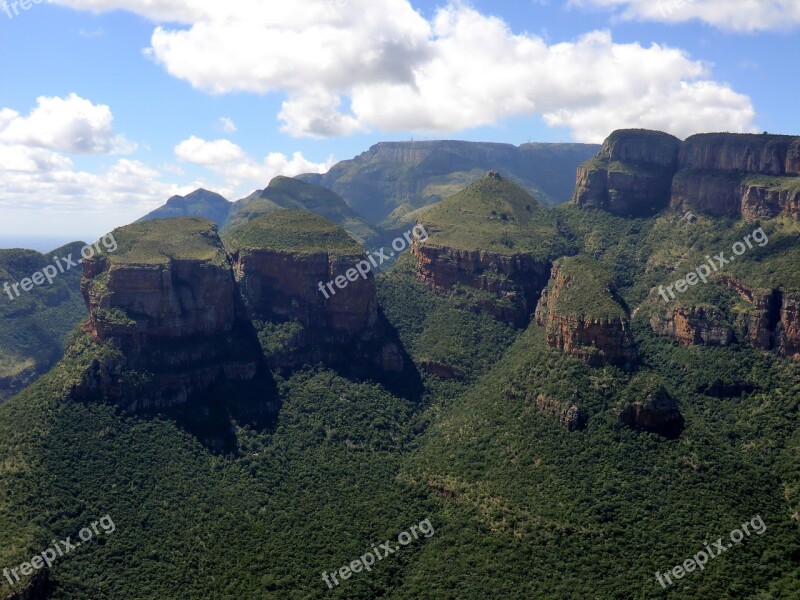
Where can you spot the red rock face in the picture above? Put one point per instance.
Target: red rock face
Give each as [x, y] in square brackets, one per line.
[183, 324]
[596, 341]
[283, 286]
[762, 203]
[746, 153]
[713, 169]
[772, 323]
[521, 278]
[632, 174]
[693, 326]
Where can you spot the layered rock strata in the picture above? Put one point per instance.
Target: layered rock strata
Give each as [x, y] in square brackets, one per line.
[168, 301]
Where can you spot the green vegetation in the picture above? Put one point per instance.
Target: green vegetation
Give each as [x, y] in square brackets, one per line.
[587, 291]
[289, 193]
[292, 231]
[34, 325]
[495, 215]
[522, 508]
[164, 240]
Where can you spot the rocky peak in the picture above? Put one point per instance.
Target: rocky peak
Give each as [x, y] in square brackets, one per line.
[632, 174]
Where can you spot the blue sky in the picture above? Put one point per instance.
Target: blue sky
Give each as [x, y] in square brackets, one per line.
[108, 107]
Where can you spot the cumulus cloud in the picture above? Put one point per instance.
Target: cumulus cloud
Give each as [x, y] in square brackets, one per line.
[201, 152]
[44, 194]
[72, 124]
[380, 65]
[744, 15]
[239, 170]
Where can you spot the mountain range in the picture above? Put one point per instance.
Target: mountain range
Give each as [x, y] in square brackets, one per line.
[517, 379]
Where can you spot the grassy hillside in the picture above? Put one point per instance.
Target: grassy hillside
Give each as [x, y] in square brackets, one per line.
[292, 231]
[34, 324]
[162, 240]
[496, 215]
[288, 193]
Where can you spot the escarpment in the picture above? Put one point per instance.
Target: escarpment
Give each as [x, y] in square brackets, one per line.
[168, 302]
[747, 175]
[767, 319]
[632, 174]
[310, 289]
[639, 172]
[583, 316]
[491, 246]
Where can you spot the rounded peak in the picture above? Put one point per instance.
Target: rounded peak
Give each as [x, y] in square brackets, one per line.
[292, 231]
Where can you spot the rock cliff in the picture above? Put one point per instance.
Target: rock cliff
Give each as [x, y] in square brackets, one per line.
[639, 172]
[494, 238]
[768, 319]
[311, 291]
[747, 175]
[583, 316]
[632, 174]
[168, 301]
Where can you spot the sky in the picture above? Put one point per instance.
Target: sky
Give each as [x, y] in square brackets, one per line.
[109, 107]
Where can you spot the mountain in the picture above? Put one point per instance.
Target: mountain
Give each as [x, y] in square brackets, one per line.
[282, 192]
[392, 179]
[200, 203]
[35, 324]
[492, 244]
[310, 289]
[288, 193]
[639, 172]
[566, 432]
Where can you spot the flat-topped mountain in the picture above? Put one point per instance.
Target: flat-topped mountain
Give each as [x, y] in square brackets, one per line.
[168, 300]
[310, 289]
[640, 172]
[392, 179]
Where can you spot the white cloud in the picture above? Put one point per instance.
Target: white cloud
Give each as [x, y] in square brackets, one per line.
[201, 152]
[380, 65]
[741, 15]
[240, 171]
[41, 193]
[227, 125]
[70, 124]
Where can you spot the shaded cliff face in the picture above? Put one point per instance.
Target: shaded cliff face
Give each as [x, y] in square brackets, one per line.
[639, 172]
[747, 153]
[169, 302]
[632, 174]
[583, 317]
[492, 237]
[284, 262]
[515, 280]
[752, 176]
[649, 407]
